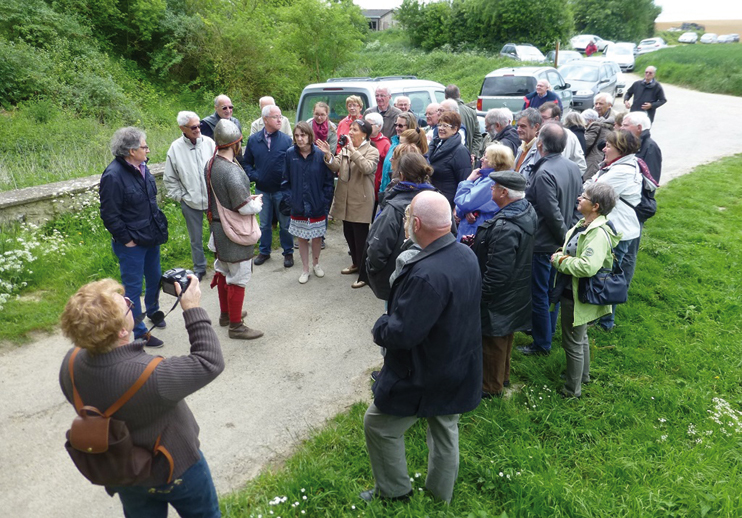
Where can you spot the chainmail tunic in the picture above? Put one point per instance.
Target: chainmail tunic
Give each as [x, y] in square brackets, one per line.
[230, 183]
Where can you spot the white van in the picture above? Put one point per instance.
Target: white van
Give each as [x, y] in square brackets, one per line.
[336, 90]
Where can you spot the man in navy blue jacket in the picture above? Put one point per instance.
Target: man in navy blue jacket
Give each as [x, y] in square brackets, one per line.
[265, 161]
[543, 94]
[128, 208]
[433, 360]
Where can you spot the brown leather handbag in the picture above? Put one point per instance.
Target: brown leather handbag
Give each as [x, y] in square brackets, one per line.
[101, 447]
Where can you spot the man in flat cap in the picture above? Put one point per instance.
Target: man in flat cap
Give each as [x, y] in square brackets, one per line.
[504, 248]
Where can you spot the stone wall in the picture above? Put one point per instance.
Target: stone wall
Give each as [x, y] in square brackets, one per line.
[37, 204]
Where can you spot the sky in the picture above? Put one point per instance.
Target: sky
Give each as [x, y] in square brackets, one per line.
[672, 10]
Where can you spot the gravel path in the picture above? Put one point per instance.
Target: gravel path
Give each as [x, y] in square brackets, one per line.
[312, 363]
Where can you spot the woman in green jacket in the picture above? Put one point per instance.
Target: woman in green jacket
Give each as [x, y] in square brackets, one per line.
[587, 248]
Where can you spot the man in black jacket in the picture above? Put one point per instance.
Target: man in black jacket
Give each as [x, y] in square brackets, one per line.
[639, 124]
[553, 187]
[504, 248]
[647, 93]
[433, 363]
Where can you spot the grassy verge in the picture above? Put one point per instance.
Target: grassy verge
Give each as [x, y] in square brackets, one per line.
[706, 68]
[658, 433]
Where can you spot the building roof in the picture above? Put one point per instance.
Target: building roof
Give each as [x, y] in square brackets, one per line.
[376, 13]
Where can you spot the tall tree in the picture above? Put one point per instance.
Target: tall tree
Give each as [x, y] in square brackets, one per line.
[627, 20]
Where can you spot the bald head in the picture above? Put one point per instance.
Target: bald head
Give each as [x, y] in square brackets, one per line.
[432, 217]
[266, 101]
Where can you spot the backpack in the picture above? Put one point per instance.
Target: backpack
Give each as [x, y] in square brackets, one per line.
[101, 447]
[647, 207]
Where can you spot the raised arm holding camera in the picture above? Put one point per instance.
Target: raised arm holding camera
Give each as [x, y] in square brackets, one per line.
[106, 364]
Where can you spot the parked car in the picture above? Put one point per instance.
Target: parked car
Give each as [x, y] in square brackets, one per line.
[587, 77]
[336, 90]
[628, 45]
[507, 87]
[688, 37]
[580, 41]
[565, 56]
[525, 52]
[650, 45]
[727, 38]
[709, 37]
[620, 54]
[616, 69]
[692, 27]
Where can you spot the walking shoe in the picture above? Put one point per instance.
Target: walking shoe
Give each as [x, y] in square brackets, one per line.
[506, 383]
[152, 341]
[224, 318]
[288, 261]
[158, 319]
[349, 270]
[531, 350]
[304, 277]
[318, 271]
[200, 275]
[372, 494]
[296, 245]
[260, 259]
[323, 244]
[375, 375]
[358, 284]
[240, 331]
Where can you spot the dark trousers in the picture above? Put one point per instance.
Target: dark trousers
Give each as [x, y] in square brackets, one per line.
[355, 235]
[496, 362]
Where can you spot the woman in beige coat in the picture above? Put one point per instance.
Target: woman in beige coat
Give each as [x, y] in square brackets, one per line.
[355, 166]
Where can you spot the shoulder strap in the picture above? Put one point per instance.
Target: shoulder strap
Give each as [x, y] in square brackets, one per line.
[75, 394]
[135, 387]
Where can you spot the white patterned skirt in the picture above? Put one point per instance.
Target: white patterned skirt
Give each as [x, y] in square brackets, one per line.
[307, 228]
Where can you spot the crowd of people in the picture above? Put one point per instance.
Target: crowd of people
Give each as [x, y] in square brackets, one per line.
[463, 256]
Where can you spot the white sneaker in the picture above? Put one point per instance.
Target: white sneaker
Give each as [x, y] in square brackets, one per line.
[304, 277]
[318, 271]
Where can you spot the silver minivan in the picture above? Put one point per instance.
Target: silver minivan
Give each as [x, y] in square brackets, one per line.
[336, 90]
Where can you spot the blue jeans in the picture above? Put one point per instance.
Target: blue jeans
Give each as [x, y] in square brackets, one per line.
[626, 252]
[137, 263]
[192, 495]
[270, 208]
[543, 323]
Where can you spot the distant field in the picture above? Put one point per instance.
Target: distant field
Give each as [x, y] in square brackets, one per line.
[717, 26]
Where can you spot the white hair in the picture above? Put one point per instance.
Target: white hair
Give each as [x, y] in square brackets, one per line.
[185, 116]
[450, 105]
[500, 116]
[608, 98]
[375, 119]
[653, 69]
[546, 82]
[266, 101]
[516, 195]
[216, 99]
[382, 89]
[639, 119]
[590, 115]
[266, 112]
[401, 98]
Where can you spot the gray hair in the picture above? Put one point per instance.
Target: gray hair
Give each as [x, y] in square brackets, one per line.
[401, 98]
[266, 100]
[266, 112]
[216, 99]
[126, 139]
[608, 97]
[500, 116]
[604, 195]
[638, 119]
[650, 67]
[533, 116]
[546, 82]
[450, 105]
[375, 118]
[590, 115]
[553, 138]
[382, 89]
[185, 116]
[452, 92]
[574, 119]
[516, 195]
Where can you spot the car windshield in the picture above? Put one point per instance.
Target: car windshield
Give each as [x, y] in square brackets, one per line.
[508, 85]
[579, 73]
[621, 51]
[647, 42]
[336, 101]
[530, 53]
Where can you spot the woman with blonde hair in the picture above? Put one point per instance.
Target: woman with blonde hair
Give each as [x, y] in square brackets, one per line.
[473, 198]
[354, 105]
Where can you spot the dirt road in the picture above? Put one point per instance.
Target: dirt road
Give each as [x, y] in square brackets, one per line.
[312, 363]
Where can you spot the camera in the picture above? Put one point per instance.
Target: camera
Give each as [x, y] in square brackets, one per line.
[173, 276]
[343, 140]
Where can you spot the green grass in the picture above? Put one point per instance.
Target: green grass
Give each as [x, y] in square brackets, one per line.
[643, 441]
[706, 68]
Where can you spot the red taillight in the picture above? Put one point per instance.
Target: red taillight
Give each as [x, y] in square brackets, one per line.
[479, 104]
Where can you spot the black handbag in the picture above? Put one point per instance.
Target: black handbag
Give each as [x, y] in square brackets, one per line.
[607, 287]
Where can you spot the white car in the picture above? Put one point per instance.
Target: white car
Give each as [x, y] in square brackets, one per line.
[622, 55]
[688, 37]
[580, 42]
[709, 37]
[726, 38]
[650, 45]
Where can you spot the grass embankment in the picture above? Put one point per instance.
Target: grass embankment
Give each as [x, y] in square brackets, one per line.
[706, 68]
[647, 439]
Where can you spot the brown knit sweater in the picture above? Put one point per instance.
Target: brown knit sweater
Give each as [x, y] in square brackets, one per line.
[159, 407]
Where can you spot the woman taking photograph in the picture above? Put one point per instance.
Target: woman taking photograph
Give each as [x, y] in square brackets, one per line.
[387, 233]
[404, 122]
[308, 186]
[354, 105]
[587, 248]
[474, 204]
[448, 156]
[355, 166]
[322, 126]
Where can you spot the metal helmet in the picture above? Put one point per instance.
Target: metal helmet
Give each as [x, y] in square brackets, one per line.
[226, 133]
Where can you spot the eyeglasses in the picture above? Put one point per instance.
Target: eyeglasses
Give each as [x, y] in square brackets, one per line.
[400, 125]
[585, 198]
[225, 108]
[129, 304]
[194, 128]
[146, 148]
[444, 125]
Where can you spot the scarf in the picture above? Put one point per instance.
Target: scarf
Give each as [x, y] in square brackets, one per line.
[321, 130]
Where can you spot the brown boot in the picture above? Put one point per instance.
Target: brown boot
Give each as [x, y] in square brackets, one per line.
[224, 318]
[241, 332]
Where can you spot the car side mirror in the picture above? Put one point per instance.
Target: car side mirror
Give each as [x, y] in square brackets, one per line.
[567, 85]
